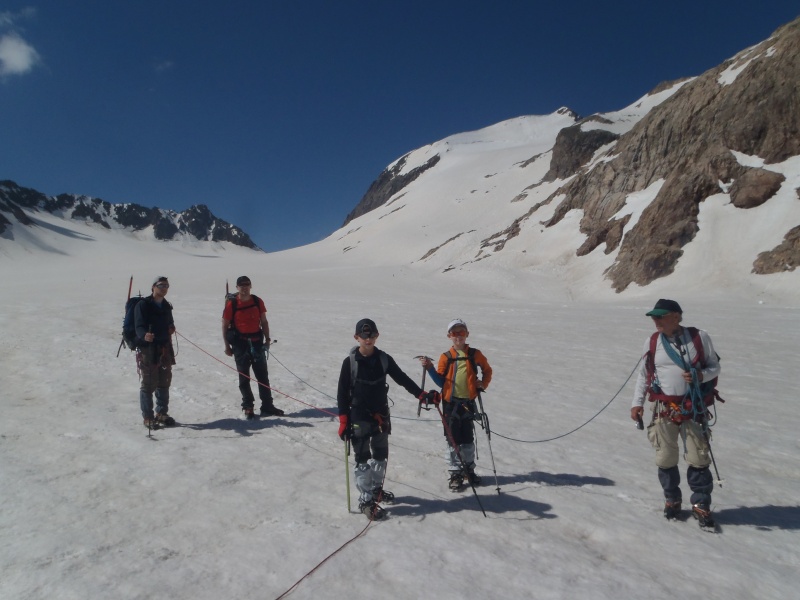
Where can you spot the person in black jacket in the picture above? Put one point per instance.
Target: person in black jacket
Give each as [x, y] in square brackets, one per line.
[364, 413]
[154, 353]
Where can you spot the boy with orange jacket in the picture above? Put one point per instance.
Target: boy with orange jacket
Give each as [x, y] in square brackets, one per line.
[457, 374]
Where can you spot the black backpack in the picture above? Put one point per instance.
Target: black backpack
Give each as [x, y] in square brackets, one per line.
[129, 322]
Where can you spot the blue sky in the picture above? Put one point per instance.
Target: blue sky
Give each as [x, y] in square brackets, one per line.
[279, 115]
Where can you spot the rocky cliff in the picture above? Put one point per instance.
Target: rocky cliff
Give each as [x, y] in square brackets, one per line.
[749, 104]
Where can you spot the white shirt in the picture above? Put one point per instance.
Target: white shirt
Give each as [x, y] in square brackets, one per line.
[668, 374]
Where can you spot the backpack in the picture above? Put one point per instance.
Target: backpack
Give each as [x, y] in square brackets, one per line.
[129, 322]
[354, 368]
[470, 357]
[708, 388]
[232, 297]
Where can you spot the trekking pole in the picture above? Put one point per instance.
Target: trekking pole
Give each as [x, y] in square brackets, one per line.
[122, 341]
[347, 470]
[485, 425]
[696, 395]
[422, 385]
[456, 447]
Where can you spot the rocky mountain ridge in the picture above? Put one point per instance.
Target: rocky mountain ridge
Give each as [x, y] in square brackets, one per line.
[197, 222]
[731, 131]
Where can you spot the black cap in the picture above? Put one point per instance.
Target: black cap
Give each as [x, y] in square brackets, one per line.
[664, 307]
[244, 279]
[366, 326]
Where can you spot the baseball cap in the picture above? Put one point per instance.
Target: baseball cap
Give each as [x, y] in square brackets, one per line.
[244, 279]
[366, 326]
[664, 307]
[159, 279]
[455, 323]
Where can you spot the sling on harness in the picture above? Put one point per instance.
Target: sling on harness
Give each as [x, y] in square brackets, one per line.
[694, 404]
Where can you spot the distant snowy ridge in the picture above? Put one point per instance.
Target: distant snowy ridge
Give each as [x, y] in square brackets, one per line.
[195, 223]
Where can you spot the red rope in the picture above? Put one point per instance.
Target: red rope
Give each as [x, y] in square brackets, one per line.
[326, 559]
[348, 542]
[327, 412]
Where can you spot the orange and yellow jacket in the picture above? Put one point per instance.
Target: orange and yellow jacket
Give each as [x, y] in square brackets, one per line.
[445, 373]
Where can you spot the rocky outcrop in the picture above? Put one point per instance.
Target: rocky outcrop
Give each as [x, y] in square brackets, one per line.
[573, 149]
[754, 187]
[197, 222]
[388, 183]
[749, 104]
[785, 257]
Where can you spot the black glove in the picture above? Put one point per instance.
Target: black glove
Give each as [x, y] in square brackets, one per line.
[432, 397]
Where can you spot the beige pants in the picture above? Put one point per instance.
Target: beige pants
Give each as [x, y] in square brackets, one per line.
[663, 435]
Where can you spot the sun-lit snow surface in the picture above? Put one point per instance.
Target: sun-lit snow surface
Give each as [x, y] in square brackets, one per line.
[224, 508]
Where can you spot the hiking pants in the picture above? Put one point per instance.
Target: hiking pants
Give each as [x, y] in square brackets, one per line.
[371, 450]
[459, 414]
[663, 435]
[155, 368]
[252, 354]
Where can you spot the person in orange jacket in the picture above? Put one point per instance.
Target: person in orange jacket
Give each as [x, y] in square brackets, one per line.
[457, 374]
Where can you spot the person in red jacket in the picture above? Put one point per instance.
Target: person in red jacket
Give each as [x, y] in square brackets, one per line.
[245, 331]
[457, 374]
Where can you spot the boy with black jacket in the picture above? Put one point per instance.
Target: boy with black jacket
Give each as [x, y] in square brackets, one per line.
[364, 413]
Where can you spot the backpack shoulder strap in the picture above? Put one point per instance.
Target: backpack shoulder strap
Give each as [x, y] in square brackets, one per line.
[650, 359]
[471, 357]
[694, 333]
[353, 366]
[384, 358]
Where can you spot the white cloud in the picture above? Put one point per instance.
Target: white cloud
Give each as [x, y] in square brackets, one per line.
[16, 55]
[164, 65]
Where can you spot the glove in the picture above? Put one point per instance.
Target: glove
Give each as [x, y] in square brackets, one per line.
[344, 431]
[432, 397]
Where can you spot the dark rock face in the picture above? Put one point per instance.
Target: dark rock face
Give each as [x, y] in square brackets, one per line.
[687, 142]
[197, 222]
[574, 148]
[388, 183]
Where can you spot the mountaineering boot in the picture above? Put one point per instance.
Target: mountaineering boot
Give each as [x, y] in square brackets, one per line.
[382, 495]
[271, 410]
[473, 477]
[456, 480]
[151, 424]
[672, 509]
[249, 413]
[372, 510]
[702, 513]
[164, 420]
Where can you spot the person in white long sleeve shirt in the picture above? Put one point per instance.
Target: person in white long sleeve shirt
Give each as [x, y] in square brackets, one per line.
[666, 380]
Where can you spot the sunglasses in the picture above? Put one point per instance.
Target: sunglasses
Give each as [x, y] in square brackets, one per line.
[458, 333]
[246, 284]
[367, 336]
[162, 285]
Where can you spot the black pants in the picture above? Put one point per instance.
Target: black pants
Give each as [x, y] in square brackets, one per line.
[460, 416]
[252, 354]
